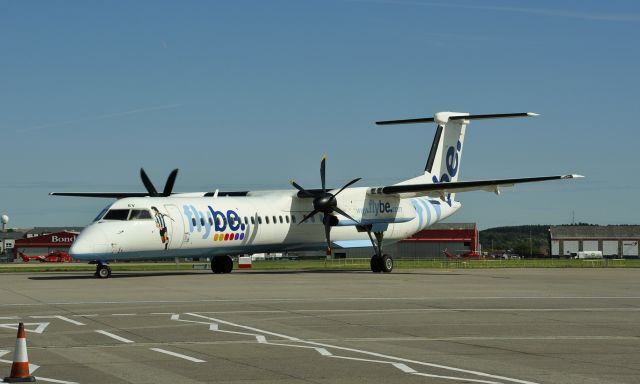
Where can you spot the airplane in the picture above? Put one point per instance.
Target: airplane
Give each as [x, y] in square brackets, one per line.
[464, 255]
[159, 225]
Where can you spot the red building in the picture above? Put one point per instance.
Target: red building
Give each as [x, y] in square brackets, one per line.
[44, 244]
[455, 238]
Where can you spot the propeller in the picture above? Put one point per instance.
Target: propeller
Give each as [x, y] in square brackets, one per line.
[324, 202]
[168, 186]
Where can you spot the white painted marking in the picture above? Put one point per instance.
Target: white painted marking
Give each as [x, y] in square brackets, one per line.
[329, 299]
[89, 315]
[404, 368]
[213, 327]
[9, 317]
[123, 314]
[175, 317]
[161, 313]
[261, 339]
[323, 352]
[417, 310]
[40, 327]
[380, 355]
[111, 335]
[3, 352]
[40, 378]
[178, 355]
[63, 318]
[464, 379]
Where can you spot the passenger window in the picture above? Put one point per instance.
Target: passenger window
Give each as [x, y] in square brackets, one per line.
[266, 218]
[193, 221]
[246, 221]
[253, 220]
[202, 221]
[274, 220]
[210, 221]
[259, 219]
[140, 214]
[280, 217]
[220, 221]
[116, 214]
[287, 219]
[293, 218]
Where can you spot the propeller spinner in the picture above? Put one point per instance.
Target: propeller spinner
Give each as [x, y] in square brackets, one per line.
[324, 202]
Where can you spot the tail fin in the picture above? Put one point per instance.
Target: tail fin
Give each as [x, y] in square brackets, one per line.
[443, 163]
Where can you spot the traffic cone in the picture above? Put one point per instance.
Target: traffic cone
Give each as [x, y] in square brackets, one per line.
[20, 367]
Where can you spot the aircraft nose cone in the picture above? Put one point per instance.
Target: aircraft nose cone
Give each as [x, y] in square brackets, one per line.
[91, 244]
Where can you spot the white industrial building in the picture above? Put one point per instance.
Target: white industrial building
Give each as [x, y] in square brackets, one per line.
[614, 241]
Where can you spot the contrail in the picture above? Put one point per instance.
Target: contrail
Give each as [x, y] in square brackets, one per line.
[100, 117]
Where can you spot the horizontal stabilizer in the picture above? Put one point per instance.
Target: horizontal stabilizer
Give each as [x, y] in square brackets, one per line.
[435, 119]
[438, 189]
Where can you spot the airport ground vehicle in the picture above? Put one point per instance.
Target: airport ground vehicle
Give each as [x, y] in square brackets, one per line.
[589, 255]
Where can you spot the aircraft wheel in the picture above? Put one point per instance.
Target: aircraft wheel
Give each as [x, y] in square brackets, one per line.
[103, 271]
[222, 264]
[376, 264]
[227, 265]
[386, 264]
[215, 265]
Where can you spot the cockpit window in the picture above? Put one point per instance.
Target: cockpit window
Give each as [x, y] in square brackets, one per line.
[101, 213]
[116, 214]
[140, 214]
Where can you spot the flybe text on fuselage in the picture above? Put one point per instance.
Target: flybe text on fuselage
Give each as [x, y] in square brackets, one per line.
[220, 225]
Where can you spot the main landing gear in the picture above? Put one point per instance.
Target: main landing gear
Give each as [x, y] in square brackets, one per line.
[103, 271]
[379, 262]
[221, 264]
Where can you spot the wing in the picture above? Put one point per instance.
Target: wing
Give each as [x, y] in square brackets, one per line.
[441, 189]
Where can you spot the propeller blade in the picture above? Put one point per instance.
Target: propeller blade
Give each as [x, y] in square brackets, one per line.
[299, 188]
[327, 233]
[308, 216]
[148, 184]
[322, 169]
[343, 213]
[348, 184]
[171, 180]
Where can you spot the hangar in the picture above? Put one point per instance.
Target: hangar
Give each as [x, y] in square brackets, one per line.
[614, 241]
[429, 243]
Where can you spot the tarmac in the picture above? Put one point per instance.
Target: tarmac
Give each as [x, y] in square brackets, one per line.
[410, 326]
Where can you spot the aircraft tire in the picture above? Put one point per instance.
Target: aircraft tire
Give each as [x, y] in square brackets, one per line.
[215, 265]
[103, 271]
[386, 263]
[227, 265]
[376, 264]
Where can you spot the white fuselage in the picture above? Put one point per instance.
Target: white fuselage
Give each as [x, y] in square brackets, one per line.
[265, 221]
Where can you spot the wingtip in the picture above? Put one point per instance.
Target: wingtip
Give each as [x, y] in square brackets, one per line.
[532, 114]
[573, 176]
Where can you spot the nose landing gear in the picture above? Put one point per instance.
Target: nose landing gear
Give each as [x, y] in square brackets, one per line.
[103, 271]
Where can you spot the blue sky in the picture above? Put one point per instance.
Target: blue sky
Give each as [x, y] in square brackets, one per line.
[249, 94]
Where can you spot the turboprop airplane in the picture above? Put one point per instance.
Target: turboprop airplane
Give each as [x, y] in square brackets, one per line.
[159, 225]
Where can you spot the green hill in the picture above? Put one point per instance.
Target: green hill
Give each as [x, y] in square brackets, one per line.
[524, 240]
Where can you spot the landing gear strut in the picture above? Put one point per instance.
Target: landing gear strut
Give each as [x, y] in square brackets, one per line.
[221, 264]
[379, 262]
[103, 271]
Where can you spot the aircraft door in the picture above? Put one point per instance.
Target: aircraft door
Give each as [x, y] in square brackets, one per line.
[175, 227]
